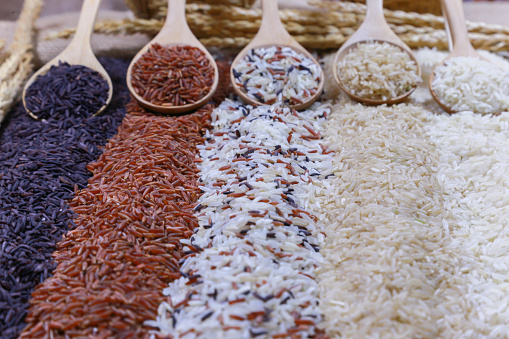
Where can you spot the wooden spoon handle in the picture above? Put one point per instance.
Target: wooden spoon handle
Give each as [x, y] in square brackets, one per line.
[457, 25]
[375, 12]
[81, 42]
[375, 26]
[175, 28]
[271, 29]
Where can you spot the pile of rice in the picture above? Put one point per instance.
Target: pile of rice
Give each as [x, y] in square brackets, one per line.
[256, 274]
[277, 74]
[377, 70]
[389, 268]
[417, 224]
[472, 84]
[473, 170]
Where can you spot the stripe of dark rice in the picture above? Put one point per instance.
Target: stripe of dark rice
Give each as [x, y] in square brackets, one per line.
[41, 166]
[126, 246]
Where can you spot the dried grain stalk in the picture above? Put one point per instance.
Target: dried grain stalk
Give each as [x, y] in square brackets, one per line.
[3, 53]
[323, 28]
[18, 64]
[156, 9]
[406, 18]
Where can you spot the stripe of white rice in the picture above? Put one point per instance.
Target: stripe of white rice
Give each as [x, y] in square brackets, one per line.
[233, 268]
[473, 169]
[391, 267]
[385, 275]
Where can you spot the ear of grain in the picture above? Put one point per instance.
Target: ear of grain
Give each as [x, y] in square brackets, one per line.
[17, 66]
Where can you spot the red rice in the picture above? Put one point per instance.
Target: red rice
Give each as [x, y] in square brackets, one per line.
[130, 219]
[172, 76]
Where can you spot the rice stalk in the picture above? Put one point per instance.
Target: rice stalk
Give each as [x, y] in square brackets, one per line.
[3, 53]
[409, 18]
[158, 8]
[18, 65]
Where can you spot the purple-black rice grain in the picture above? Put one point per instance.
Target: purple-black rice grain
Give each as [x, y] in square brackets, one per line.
[67, 90]
[42, 164]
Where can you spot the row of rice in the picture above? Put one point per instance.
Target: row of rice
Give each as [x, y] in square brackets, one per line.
[129, 221]
[256, 274]
[394, 224]
[417, 240]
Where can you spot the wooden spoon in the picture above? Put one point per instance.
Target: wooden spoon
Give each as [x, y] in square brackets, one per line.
[78, 52]
[175, 31]
[459, 44]
[374, 28]
[273, 33]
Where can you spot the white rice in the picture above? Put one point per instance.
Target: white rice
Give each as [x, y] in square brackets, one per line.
[277, 74]
[473, 170]
[416, 221]
[378, 70]
[472, 84]
[391, 270]
[259, 248]
[417, 237]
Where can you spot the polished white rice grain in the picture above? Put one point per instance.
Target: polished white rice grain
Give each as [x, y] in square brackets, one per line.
[472, 84]
[474, 171]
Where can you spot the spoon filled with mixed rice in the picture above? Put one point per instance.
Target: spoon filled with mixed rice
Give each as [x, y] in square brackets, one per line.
[274, 68]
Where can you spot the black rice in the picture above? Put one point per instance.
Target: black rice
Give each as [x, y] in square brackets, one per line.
[67, 90]
[42, 164]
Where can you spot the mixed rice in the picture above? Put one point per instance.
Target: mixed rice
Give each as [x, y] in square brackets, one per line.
[277, 74]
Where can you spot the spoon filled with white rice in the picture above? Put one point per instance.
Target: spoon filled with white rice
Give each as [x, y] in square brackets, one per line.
[465, 81]
[374, 66]
[274, 68]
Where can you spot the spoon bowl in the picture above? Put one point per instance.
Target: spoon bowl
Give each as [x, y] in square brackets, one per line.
[459, 44]
[273, 33]
[374, 28]
[78, 52]
[175, 32]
